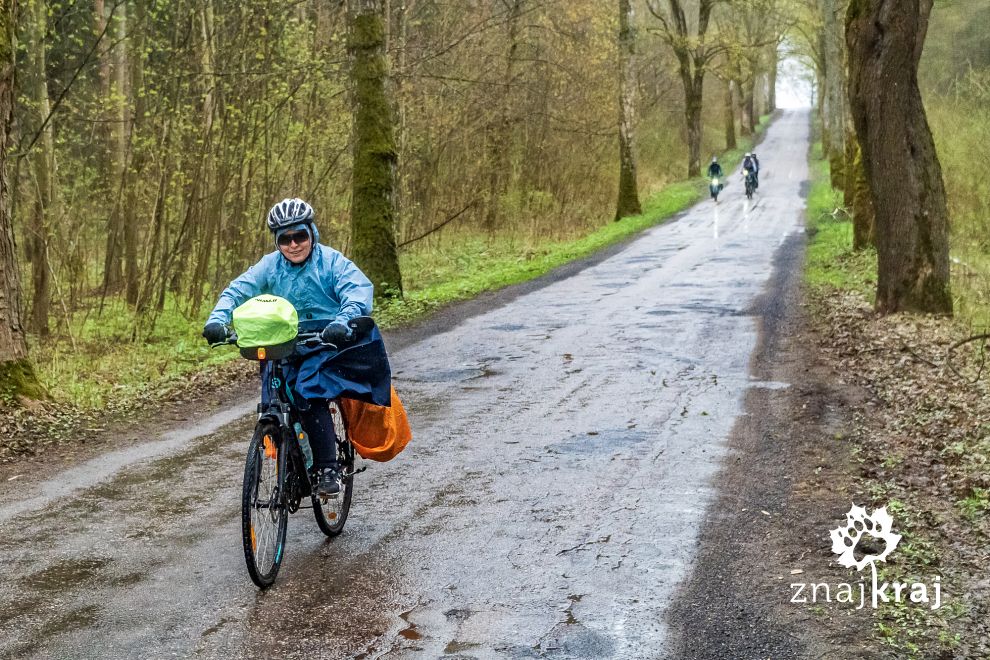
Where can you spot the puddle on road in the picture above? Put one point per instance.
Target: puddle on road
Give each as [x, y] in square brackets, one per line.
[81, 617]
[66, 573]
[456, 646]
[409, 632]
[769, 385]
[575, 599]
[445, 375]
[599, 442]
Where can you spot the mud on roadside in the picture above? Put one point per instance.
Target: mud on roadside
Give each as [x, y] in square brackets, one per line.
[873, 415]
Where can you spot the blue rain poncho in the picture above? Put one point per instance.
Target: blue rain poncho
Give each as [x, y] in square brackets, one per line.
[327, 287]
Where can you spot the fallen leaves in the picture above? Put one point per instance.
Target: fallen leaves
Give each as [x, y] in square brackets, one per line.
[923, 438]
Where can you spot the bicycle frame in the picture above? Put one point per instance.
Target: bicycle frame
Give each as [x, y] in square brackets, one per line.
[276, 406]
[278, 420]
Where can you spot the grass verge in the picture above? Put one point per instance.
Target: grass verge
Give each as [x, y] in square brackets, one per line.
[831, 261]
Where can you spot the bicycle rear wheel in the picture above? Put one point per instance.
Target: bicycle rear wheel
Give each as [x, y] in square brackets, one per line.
[264, 515]
[331, 512]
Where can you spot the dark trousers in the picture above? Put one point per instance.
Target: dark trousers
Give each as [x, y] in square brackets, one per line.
[318, 424]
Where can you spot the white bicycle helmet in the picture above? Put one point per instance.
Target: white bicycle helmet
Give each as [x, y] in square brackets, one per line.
[289, 212]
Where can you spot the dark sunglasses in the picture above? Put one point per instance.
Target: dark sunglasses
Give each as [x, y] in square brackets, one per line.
[298, 237]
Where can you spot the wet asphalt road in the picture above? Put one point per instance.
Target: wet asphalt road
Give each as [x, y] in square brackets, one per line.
[564, 454]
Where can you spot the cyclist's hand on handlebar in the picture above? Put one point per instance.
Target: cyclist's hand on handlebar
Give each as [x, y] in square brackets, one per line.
[216, 333]
[335, 333]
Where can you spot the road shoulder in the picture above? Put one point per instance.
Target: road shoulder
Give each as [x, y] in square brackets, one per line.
[786, 479]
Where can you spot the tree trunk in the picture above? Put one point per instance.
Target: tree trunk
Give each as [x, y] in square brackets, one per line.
[819, 91]
[772, 83]
[692, 112]
[834, 89]
[373, 185]
[730, 117]
[628, 202]
[500, 132]
[740, 110]
[113, 275]
[692, 60]
[885, 39]
[43, 168]
[849, 162]
[137, 102]
[17, 377]
[748, 110]
[102, 129]
[864, 228]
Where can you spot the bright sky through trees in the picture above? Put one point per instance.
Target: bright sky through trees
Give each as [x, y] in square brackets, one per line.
[793, 84]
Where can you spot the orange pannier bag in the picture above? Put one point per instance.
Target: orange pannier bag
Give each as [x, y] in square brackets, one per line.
[378, 433]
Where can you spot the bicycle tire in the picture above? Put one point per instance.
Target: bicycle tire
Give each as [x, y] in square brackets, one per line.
[331, 513]
[264, 523]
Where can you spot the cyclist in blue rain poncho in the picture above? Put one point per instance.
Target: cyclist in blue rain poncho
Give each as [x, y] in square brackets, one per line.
[328, 290]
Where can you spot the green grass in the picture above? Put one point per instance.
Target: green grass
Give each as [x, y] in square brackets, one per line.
[104, 368]
[831, 262]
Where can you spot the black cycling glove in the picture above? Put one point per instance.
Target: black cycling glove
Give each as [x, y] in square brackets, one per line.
[215, 333]
[336, 333]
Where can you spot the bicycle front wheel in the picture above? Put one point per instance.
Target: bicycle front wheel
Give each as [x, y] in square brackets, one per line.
[331, 512]
[264, 514]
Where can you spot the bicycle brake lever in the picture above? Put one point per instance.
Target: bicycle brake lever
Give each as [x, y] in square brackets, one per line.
[313, 342]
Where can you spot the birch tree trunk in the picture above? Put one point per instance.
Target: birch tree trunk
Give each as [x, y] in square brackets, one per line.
[43, 169]
[628, 202]
[137, 151]
[834, 89]
[113, 275]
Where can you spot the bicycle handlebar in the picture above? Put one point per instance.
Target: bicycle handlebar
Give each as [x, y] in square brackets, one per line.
[361, 325]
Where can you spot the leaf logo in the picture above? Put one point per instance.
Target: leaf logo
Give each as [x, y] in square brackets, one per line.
[862, 527]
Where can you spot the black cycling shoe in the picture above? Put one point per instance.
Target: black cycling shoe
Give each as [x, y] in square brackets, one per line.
[329, 482]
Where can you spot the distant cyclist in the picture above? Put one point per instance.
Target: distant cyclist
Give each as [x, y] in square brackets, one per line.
[756, 169]
[750, 166]
[714, 170]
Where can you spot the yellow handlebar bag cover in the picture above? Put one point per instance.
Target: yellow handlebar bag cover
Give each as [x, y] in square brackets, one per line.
[265, 320]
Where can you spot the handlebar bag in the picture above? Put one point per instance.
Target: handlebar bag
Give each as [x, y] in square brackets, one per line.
[268, 321]
[378, 433]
